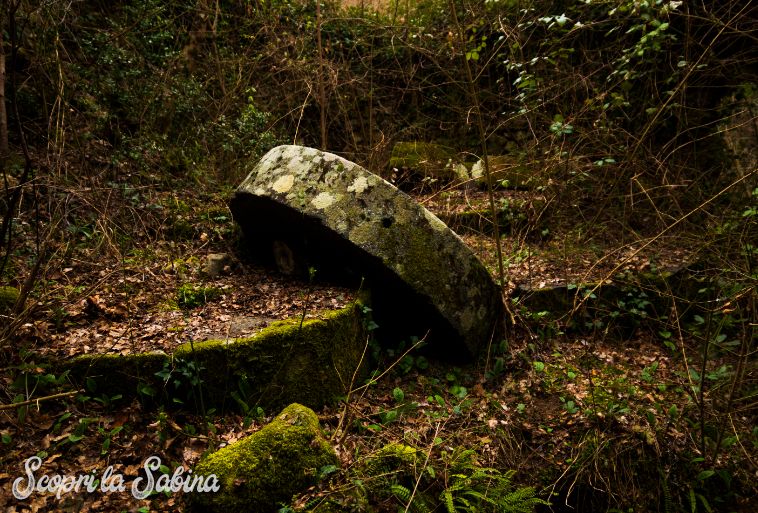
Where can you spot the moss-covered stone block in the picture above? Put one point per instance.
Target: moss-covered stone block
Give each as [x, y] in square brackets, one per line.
[311, 362]
[8, 298]
[425, 159]
[128, 375]
[508, 170]
[267, 468]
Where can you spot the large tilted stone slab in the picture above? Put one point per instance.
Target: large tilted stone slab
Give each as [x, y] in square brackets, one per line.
[352, 224]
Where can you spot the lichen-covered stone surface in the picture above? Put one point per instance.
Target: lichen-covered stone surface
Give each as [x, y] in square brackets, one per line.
[352, 224]
[267, 468]
[311, 363]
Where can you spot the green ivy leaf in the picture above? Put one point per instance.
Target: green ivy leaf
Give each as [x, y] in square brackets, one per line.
[705, 474]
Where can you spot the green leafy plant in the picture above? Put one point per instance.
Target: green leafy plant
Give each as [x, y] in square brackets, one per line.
[191, 295]
[183, 382]
[242, 396]
[569, 405]
[108, 436]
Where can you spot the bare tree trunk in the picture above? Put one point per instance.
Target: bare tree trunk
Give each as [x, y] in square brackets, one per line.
[321, 78]
[3, 111]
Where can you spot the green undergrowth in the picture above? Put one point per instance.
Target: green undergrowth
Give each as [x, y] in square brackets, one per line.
[594, 424]
[192, 295]
[403, 477]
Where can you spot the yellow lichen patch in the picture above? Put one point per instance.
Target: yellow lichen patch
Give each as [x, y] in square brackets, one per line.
[283, 183]
[359, 185]
[401, 213]
[363, 235]
[323, 200]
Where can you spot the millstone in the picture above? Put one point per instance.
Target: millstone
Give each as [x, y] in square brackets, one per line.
[333, 216]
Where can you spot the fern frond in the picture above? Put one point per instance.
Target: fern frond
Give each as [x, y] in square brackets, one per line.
[447, 500]
[405, 496]
[521, 500]
[467, 504]
[668, 502]
[705, 503]
[479, 496]
[401, 493]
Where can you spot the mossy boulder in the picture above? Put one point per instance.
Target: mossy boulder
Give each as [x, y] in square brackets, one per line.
[310, 362]
[352, 224]
[425, 159]
[393, 458]
[267, 468]
[8, 298]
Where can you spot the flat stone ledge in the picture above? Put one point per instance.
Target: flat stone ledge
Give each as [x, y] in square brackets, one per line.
[311, 363]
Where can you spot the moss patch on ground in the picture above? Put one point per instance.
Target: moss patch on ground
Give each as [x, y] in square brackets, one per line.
[191, 295]
[8, 298]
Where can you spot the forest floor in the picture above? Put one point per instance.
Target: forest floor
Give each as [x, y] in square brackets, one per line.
[574, 414]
